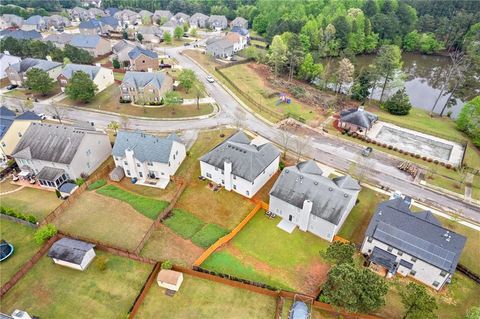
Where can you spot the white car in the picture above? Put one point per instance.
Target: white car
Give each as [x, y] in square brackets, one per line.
[42, 116]
[210, 79]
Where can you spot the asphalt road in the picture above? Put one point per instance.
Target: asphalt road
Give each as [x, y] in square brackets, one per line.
[323, 148]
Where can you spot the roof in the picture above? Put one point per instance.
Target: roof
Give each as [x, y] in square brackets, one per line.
[217, 18]
[145, 13]
[169, 276]
[233, 37]
[384, 258]
[71, 68]
[142, 79]
[181, 15]
[198, 16]
[50, 142]
[50, 173]
[305, 181]
[28, 63]
[240, 30]
[239, 20]
[221, 43]
[146, 147]
[170, 23]
[62, 38]
[419, 235]
[85, 41]
[34, 20]
[90, 24]
[162, 13]
[248, 161]
[28, 116]
[67, 188]
[111, 11]
[122, 44]
[69, 250]
[150, 29]
[7, 117]
[21, 34]
[109, 20]
[137, 51]
[359, 117]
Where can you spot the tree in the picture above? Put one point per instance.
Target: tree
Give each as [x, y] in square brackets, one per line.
[361, 86]
[81, 87]
[398, 104]
[344, 73]
[428, 44]
[294, 54]
[77, 55]
[56, 111]
[278, 54]
[388, 61]
[473, 313]
[418, 303]
[187, 79]
[340, 253]
[342, 29]
[469, 118]
[356, 289]
[193, 32]
[116, 64]
[171, 98]
[125, 35]
[178, 32]
[114, 126]
[44, 233]
[139, 37]
[286, 136]
[167, 37]
[309, 70]
[198, 89]
[301, 143]
[411, 41]
[39, 81]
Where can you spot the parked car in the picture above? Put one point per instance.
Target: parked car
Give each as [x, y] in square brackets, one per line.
[42, 116]
[367, 151]
[210, 79]
[11, 87]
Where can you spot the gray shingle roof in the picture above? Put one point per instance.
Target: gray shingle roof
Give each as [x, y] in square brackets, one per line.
[67, 187]
[34, 20]
[198, 17]
[90, 70]
[137, 51]
[21, 34]
[416, 234]
[28, 63]
[248, 161]
[239, 20]
[85, 41]
[90, 24]
[358, 117]
[51, 174]
[384, 258]
[109, 20]
[146, 147]
[69, 250]
[61, 38]
[141, 79]
[305, 182]
[28, 116]
[122, 44]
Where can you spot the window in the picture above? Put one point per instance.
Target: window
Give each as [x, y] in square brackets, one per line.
[389, 249]
[234, 186]
[89, 152]
[443, 273]
[248, 193]
[412, 272]
[140, 174]
[128, 172]
[138, 164]
[223, 182]
[173, 156]
[149, 163]
[436, 283]
[19, 134]
[400, 253]
[209, 175]
[176, 152]
[3, 144]
[234, 177]
[370, 239]
[125, 162]
[414, 259]
[162, 173]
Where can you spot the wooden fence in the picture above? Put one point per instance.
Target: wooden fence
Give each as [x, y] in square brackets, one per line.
[143, 293]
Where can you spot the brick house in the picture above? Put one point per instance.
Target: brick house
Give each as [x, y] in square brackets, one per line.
[145, 86]
[143, 59]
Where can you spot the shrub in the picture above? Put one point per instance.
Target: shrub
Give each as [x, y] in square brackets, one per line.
[374, 142]
[384, 145]
[424, 158]
[101, 263]
[116, 64]
[442, 163]
[398, 104]
[281, 166]
[400, 151]
[79, 181]
[324, 299]
[298, 91]
[429, 160]
[390, 147]
[448, 165]
[44, 233]
[167, 264]
[417, 155]
[97, 184]
[32, 219]
[435, 161]
[57, 192]
[395, 148]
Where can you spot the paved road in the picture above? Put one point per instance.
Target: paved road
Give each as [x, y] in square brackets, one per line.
[325, 149]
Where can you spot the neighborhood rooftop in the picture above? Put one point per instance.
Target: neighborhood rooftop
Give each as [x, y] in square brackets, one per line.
[29, 63]
[141, 79]
[85, 41]
[90, 70]
[137, 51]
[70, 250]
[359, 117]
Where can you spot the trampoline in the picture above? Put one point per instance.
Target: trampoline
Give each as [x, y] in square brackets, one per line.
[6, 250]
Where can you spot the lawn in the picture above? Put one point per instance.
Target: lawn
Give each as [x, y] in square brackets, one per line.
[105, 219]
[67, 293]
[200, 298]
[166, 194]
[31, 201]
[21, 237]
[118, 76]
[149, 207]
[263, 252]
[476, 188]
[26, 94]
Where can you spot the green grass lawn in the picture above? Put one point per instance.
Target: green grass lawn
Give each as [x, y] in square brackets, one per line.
[166, 194]
[53, 291]
[97, 184]
[21, 237]
[149, 207]
[476, 188]
[118, 76]
[31, 201]
[24, 94]
[200, 298]
[208, 235]
[262, 251]
[105, 219]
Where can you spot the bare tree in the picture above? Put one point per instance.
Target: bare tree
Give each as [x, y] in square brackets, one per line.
[240, 119]
[459, 77]
[56, 111]
[360, 168]
[301, 142]
[285, 134]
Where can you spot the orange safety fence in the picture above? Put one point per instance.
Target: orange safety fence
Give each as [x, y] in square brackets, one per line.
[340, 239]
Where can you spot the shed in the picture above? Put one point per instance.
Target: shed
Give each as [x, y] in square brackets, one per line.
[72, 253]
[67, 189]
[170, 279]
[117, 174]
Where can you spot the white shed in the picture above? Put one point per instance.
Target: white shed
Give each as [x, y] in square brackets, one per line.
[72, 253]
[170, 279]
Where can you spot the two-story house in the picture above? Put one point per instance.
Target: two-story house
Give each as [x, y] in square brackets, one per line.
[398, 241]
[239, 22]
[5, 61]
[315, 203]
[148, 159]
[181, 17]
[121, 49]
[59, 39]
[55, 153]
[239, 42]
[217, 22]
[240, 165]
[161, 16]
[198, 20]
[17, 72]
[143, 59]
[93, 44]
[145, 86]
[219, 47]
[101, 77]
[35, 22]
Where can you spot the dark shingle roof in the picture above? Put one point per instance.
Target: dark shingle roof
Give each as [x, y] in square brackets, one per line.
[69, 250]
[21, 34]
[416, 234]
[50, 173]
[358, 117]
[28, 116]
[137, 51]
[248, 161]
[90, 24]
[240, 30]
[85, 41]
[142, 79]
[384, 258]
[28, 63]
[90, 70]
[111, 21]
[7, 117]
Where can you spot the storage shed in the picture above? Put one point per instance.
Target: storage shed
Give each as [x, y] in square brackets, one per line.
[170, 279]
[72, 253]
[67, 189]
[117, 174]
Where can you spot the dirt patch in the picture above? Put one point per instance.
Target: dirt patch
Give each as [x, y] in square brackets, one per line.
[315, 276]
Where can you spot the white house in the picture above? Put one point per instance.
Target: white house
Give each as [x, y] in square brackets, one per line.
[101, 77]
[72, 253]
[170, 279]
[17, 72]
[55, 153]
[5, 61]
[398, 241]
[240, 165]
[304, 197]
[149, 159]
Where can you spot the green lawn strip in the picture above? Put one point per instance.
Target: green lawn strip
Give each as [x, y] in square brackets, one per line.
[208, 235]
[224, 262]
[97, 184]
[476, 188]
[149, 207]
[183, 223]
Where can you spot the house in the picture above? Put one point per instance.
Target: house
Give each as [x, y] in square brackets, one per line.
[160, 16]
[11, 20]
[57, 21]
[21, 34]
[398, 241]
[239, 42]
[181, 17]
[17, 314]
[121, 50]
[17, 73]
[36, 23]
[12, 128]
[219, 47]
[170, 279]
[217, 22]
[111, 24]
[145, 86]
[111, 11]
[357, 120]
[5, 61]
[94, 44]
[239, 22]
[149, 159]
[127, 17]
[56, 153]
[240, 165]
[242, 31]
[315, 203]
[79, 14]
[145, 17]
[59, 39]
[96, 13]
[91, 27]
[101, 77]
[143, 59]
[198, 20]
[72, 253]
[169, 26]
[152, 33]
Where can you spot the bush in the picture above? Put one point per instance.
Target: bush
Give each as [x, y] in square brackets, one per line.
[208, 235]
[44, 233]
[79, 181]
[125, 100]
[97, 184]
[442, 163]
[417, 155]
[429, 160]
[400, 151]
[448, 165]
[281, 166]
[395, 148]
[57, 192]
[167, 264]
[297, 91]
[435, 161]
[390, 147]
[424, 158]
[398, 104]
[32, 219]
[116, 64]
[101, 263]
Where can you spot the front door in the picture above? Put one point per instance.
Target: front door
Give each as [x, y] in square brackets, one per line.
[290, 218]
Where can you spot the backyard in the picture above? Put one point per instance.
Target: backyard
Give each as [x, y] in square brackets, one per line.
[200, 298]
[62, 292]
[263, 252]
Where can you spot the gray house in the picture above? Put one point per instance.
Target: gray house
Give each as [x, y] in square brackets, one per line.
[11, 20]
[21, 34]
[34, 23]
[219, 47]
[198, 20]
[313, 202]
[57, 21]
[94, 44]
[217, 22]
[160, 15]
[181, 17]
[357, 120]
[59, 39]
[398, 241]
[239, 22]
[145, 86]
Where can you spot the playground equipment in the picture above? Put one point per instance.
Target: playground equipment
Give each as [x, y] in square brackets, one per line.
[283, 99]
[6, 250]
